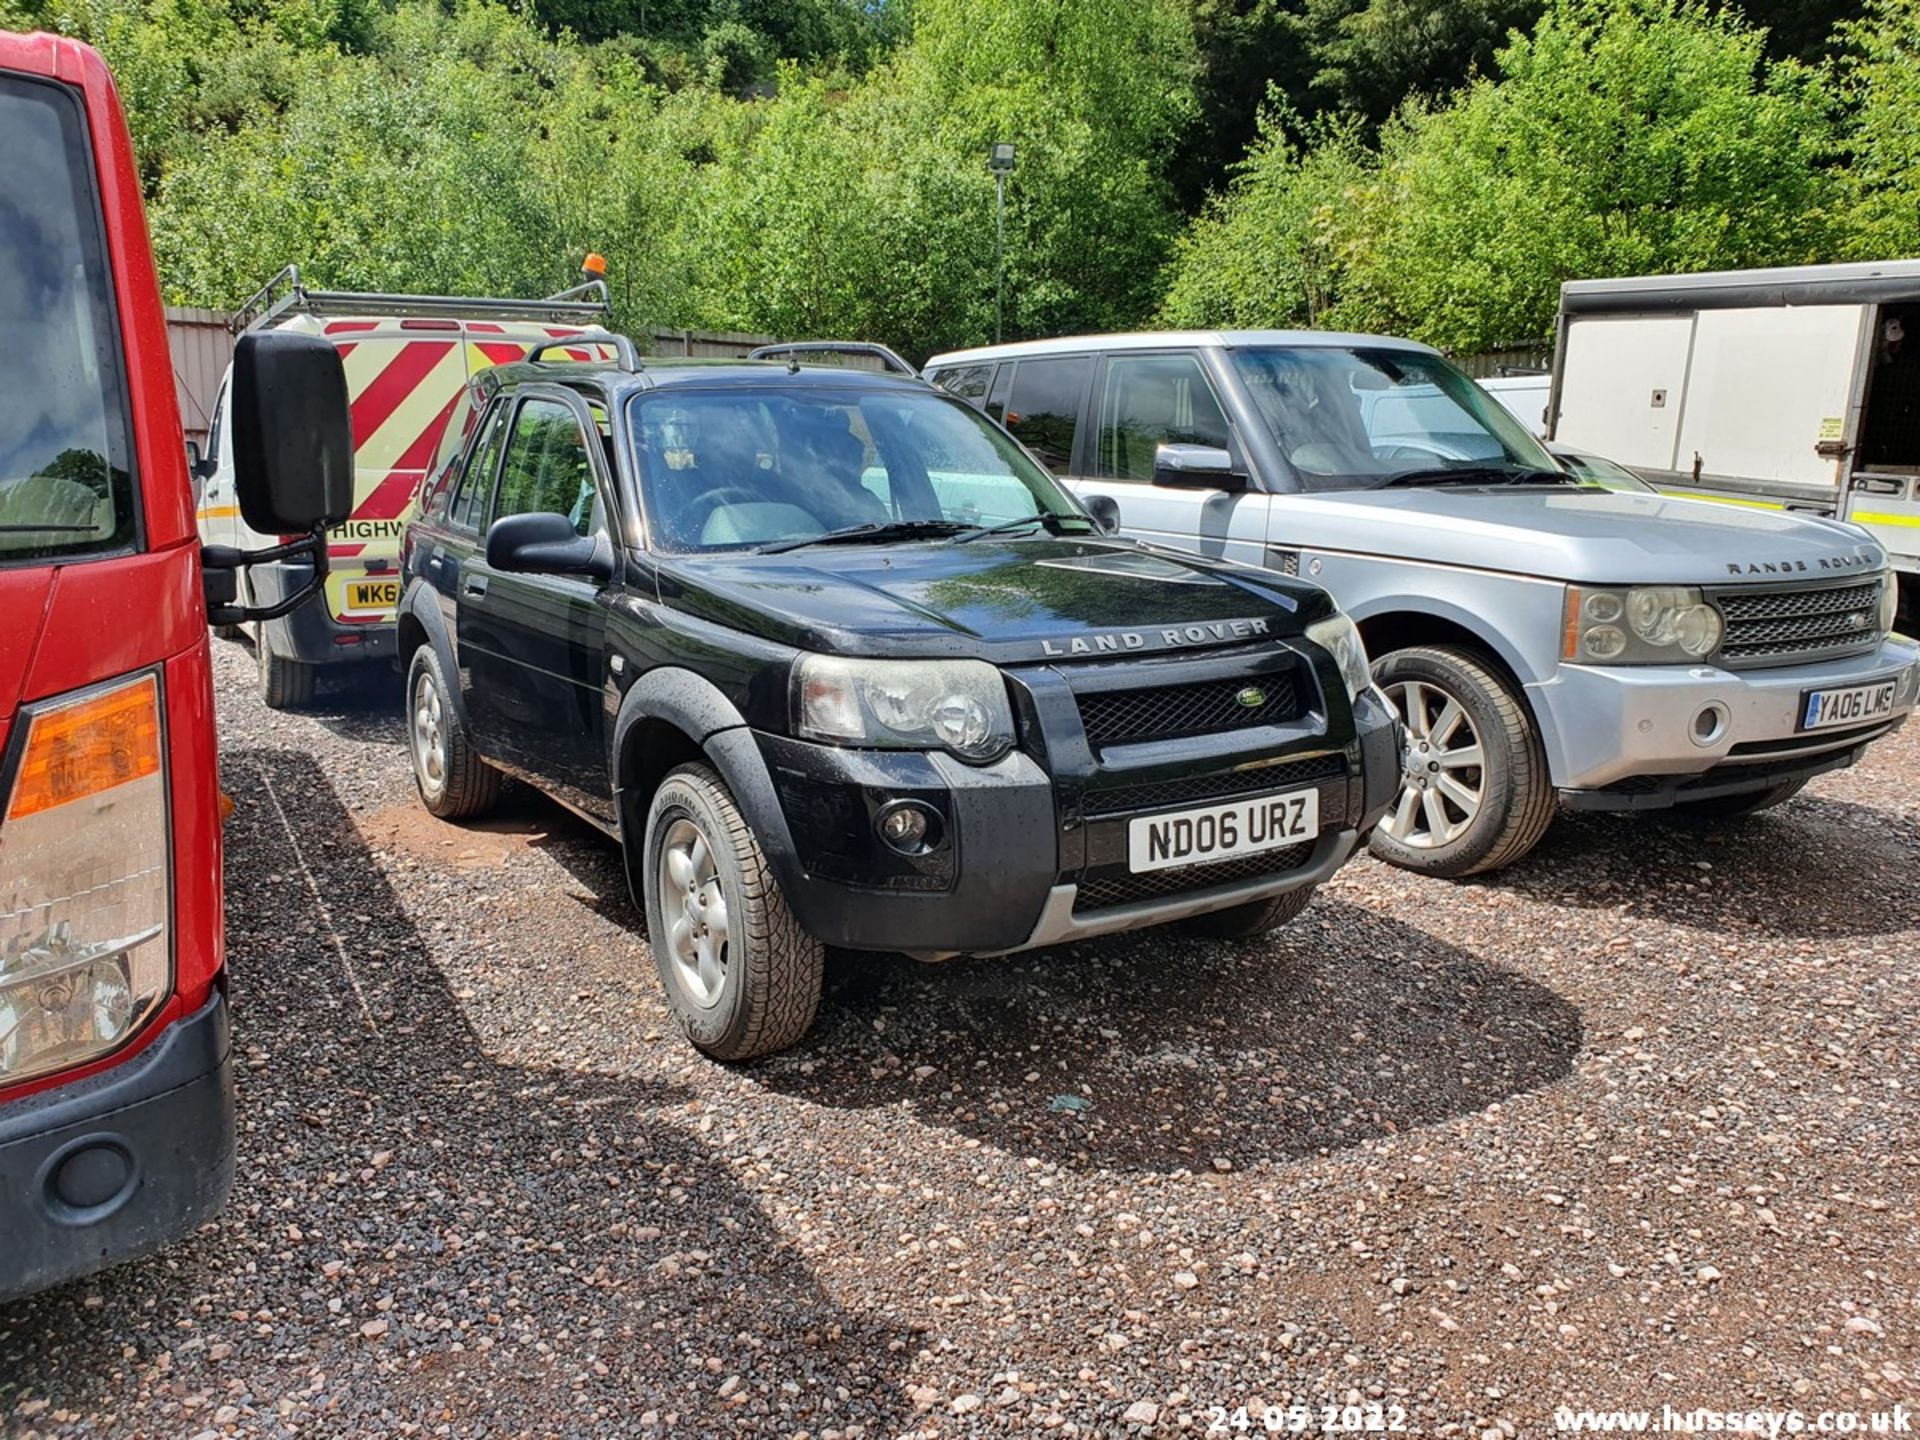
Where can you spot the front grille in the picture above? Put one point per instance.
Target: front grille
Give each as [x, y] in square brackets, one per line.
[1102, 892]
[1168, 712]
[1789, 624]
[1217, 786]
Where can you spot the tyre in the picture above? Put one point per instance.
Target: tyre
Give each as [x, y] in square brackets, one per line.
[1736, 807]
[741, 975]
[284, 684]
[1475, 793]
[1256, 917]
[454, 782]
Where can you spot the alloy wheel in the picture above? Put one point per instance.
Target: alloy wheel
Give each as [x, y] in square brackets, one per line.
[429, 734]
[1442, 769]
[694, 907]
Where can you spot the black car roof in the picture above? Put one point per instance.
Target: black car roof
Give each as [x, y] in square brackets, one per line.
[668, 372]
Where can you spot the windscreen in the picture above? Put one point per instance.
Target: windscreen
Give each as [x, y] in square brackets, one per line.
[1363, 418]
[65, 482]
[744, 466]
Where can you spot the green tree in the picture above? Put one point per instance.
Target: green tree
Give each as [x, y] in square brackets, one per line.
[1372, 55]
[1881, 82]
[866, 209]
[1639, 136]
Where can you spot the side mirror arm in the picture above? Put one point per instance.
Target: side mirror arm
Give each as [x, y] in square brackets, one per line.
[219, 564]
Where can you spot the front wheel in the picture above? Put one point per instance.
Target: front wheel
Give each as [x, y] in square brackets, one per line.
[1474, 794]
[1255, 918]
[742, 976]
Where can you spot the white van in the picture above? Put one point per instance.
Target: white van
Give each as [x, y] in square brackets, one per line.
[408, 359]
[1525, 398]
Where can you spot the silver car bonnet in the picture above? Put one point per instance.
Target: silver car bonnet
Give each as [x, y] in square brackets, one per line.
[1577, 534]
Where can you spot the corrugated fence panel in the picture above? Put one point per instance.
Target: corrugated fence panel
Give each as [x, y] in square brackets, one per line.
[721, 343]
[201, 347]
[1509, 360]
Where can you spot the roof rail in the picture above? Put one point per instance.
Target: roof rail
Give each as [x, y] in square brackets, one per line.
[834, 347]
[626, 356]
[286, 294]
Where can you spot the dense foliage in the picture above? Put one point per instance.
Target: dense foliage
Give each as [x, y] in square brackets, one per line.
[1432, 167]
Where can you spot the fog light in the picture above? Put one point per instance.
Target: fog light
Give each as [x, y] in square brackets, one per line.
[907, 828]
[1709, 723]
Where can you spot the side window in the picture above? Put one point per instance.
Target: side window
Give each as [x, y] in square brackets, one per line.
[1043, 407]
[969, 382]
[1150, 401]
[546, 468]
[476, 486]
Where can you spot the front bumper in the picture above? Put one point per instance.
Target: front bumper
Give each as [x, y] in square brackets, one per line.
[1627, 724]
[120, 1163]
[1035, 856]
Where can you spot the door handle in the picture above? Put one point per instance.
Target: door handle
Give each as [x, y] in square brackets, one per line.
[475, 585]
[434, 562]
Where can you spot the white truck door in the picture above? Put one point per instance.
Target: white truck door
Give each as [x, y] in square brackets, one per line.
[1766, 388]
[1885, 492]
[1621, 384]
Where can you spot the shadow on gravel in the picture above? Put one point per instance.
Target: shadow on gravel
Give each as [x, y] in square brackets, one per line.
[1343, 1027]
[601, 1254]
[1812, 869]
[360, 702]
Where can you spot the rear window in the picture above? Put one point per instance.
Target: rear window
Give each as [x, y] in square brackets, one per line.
[1043, 409]
[66, 482]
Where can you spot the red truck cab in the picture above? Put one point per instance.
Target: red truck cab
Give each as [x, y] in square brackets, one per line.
[116, 1093]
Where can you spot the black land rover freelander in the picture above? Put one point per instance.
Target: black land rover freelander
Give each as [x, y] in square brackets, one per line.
[837, 663]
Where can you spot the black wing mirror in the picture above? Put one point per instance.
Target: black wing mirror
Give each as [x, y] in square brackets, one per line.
[1203, 467]
[545, 543]
[292, 463]
[1105, 511]
[292, 432]
[199, 466]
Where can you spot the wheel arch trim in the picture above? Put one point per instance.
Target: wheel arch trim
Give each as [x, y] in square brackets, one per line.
[702, 713]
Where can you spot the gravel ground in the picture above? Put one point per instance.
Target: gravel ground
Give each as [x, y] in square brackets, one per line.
[1633, 1124]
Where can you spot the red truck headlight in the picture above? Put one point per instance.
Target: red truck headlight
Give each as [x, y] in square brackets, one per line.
[85, 880]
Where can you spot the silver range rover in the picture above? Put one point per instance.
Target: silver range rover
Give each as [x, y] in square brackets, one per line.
[1546, 642]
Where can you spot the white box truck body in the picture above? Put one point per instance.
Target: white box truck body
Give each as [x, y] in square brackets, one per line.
[1789, 389]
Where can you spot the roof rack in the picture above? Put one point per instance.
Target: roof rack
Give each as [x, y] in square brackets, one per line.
[286, 294]
[835, 347]
[626, 356]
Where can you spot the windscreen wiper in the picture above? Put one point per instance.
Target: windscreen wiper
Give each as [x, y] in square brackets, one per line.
[1474, 475]
[871, 530]
[1055, 524]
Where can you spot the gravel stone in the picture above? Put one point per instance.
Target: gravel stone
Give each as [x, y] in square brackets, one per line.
[1628, 1131]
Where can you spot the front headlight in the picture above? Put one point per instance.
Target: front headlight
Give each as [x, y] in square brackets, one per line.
[957, 705]
[1638, 625]
[85, 955]
[1340, 638]
[1889, 603]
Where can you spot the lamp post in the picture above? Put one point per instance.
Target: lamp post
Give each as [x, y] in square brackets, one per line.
[1000, 162]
